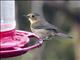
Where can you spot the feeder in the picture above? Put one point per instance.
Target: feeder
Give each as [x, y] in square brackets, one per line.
[14, 43]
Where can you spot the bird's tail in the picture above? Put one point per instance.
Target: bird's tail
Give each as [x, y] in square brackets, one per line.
[63, 35]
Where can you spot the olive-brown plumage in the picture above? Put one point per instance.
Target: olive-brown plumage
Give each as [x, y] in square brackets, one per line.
[42, 28]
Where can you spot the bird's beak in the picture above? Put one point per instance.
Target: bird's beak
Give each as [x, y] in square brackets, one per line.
[26, 16]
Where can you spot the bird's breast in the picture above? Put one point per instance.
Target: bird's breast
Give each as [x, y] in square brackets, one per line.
[41, 32]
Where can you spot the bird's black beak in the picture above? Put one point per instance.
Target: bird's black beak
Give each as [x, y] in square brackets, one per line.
[26, 16]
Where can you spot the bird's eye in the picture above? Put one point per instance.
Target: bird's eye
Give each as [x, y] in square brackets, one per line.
[33, 16]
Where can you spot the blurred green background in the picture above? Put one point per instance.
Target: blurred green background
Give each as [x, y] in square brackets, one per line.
[65, 15]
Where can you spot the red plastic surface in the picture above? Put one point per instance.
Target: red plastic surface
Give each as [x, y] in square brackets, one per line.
[17, 43]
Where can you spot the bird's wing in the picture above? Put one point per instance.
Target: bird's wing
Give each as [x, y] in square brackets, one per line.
[45, 26]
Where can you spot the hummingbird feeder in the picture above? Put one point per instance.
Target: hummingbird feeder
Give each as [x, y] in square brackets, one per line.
[14, 42]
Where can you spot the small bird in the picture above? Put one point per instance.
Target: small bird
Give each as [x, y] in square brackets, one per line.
[43, 28]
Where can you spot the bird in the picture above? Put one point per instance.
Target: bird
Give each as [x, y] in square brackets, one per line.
[43, 28]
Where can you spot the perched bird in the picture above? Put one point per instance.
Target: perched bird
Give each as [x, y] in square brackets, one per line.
[43, 28]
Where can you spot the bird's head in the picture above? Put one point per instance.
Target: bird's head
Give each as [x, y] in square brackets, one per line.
[32, 17]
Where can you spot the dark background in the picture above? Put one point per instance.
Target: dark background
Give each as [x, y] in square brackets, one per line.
[66, 16]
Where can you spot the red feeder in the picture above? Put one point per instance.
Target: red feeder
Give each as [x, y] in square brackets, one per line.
[16, 42]
[13, 42]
